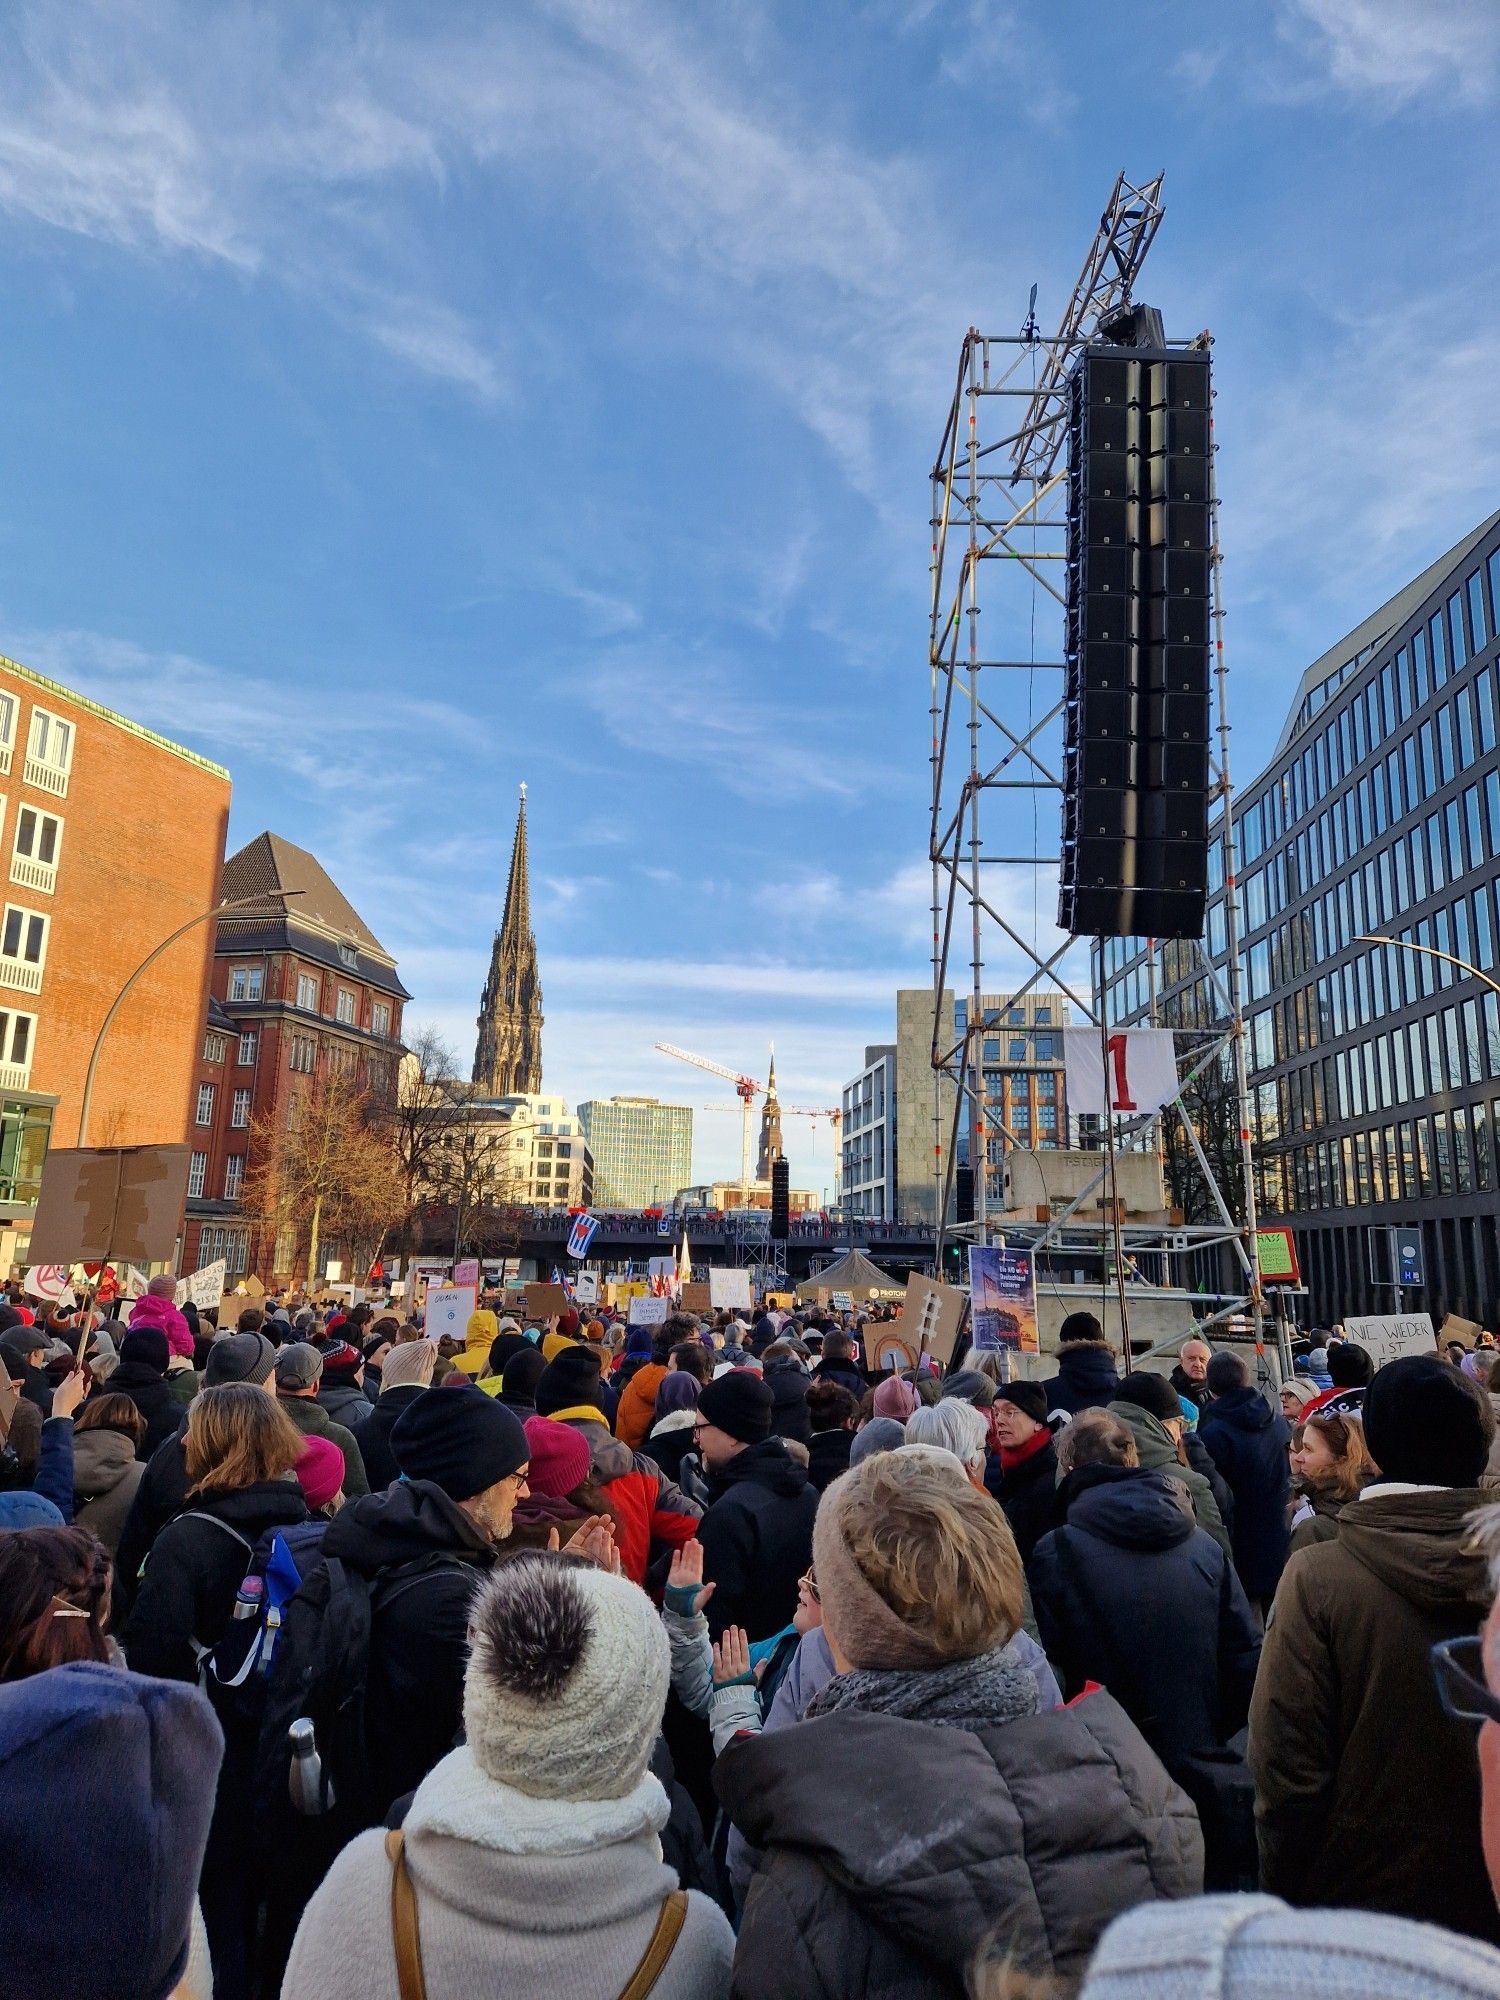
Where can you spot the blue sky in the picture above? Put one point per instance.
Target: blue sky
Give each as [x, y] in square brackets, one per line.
[399, 403]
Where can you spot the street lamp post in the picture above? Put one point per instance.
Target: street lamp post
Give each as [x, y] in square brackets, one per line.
[1431, 951]
[203, 917]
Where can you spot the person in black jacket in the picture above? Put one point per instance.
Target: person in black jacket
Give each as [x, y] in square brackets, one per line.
[1129, 1592]
[1249, 1443]
[407, 1374]
[838, 1364]
[1188, 1378]
[757, 1532]
[1027, 1486]
[238, 1449]
[835, 1418]
[142, 1376]
[788, 1381]
[25, 1357]
[1086, 1377]
[163, 1491]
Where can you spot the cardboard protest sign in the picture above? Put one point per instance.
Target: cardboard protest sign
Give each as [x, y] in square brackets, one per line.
[649, 1311]
[110, 1202]
[544, 1301]
[467, 1272]
[843, 1302]
[697, 1298]
[1002, 1288]
[1454, 1328]
[932, 1317]
[1276, 1253]
[206, 1286]
[586, 1288]
[448, 1310]
[1388, 1336]
[729, 1288]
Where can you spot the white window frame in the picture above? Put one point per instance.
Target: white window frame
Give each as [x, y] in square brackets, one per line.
[10, 709]
[234, 1176]
[313, 1004]
[298, 1043]
[49, 773]
[15, 1070]
[21, 972]
[246, 1055]
[346, 1007]
[197, 1175]
[246, 982]
[380, 1023]
[238, 1103]
[211, 1092]
[215, 1046]
[28, 870]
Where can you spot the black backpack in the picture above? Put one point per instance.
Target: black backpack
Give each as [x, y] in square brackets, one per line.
[321, 1675]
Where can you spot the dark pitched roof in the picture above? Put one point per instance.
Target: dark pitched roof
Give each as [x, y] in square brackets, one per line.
[268, 863]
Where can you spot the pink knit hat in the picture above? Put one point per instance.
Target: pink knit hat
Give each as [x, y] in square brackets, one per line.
[560, 1457]
[895, 1397]
[320, 1471]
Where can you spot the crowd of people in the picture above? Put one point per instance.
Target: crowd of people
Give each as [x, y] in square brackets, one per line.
[704, 1659]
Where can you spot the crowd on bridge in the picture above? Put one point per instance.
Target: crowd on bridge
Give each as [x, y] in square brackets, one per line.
[343, 1663]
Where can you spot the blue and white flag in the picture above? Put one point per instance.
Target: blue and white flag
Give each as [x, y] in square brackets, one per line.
[584, 1228]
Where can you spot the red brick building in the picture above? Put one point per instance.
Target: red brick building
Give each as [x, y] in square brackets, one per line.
[295, 988]
[111, 837]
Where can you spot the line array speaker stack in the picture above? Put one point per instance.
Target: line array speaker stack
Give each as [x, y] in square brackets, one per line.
[781, 1200]
[1135, 788]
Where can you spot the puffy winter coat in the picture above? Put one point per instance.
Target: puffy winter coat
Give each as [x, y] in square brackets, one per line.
[1028, 1493]
[1190, 1391]
[893, 1848]
[1157, 1453]
[106, 1473]
[314, 1421]
[195, 1568]
[637, 1410]
[1131, 1593]
[1249, 1442]
[828, 1456]
[757, 1539]
[1367, 1795]
[648, 1507]
[672, 1438]
[789, 1382]
[346, 1403]
[1086, 1377]
[845, 1373]
[1320, 1521]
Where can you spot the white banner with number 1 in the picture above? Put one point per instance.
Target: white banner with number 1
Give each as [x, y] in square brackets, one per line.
[1142, 1071]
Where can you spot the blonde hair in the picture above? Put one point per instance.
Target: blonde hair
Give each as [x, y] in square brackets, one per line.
[933, 1548]
[237, 1435]
[1345, 1438]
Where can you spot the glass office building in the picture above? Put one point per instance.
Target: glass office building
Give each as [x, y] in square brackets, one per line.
[1375, 1069]
[642, 1149]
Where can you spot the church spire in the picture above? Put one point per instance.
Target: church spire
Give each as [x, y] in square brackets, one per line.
[770, 1127]
[508, 1054]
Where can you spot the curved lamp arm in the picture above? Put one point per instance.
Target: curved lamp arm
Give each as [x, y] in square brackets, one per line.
[203, 917]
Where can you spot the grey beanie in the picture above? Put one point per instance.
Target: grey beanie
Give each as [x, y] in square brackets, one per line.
[298, 1366]
[1255, 1948]
[879, 1434]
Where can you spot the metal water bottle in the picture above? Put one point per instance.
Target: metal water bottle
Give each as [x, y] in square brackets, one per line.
[305, 1774]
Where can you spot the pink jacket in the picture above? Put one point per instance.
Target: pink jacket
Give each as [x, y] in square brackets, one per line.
[152, 1311]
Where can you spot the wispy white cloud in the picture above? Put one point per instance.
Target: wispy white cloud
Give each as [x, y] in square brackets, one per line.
[673, 708]
[439, 342]
[1394, 51]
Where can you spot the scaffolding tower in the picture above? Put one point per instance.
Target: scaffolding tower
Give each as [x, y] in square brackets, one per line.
[999, 533]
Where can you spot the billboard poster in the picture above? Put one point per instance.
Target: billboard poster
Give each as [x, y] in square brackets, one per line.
[1002, 1293]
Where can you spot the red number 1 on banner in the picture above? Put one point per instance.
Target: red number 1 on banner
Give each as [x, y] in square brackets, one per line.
[1121, 1099]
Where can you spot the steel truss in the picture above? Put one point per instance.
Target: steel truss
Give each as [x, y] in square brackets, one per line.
[999, 533]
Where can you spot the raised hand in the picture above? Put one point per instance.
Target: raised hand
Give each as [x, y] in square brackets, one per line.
[686, 1574]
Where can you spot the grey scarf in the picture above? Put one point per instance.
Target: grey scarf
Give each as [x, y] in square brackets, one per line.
[965, 1694]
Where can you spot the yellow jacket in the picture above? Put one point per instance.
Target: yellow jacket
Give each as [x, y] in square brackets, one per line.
[479, 1337]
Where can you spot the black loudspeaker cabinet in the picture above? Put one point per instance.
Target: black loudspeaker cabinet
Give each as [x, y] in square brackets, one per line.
[963, 1194]
[1136, 730]
[781, 1200]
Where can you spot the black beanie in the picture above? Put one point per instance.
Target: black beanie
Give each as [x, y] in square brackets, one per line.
[147, 1345]
[523, 1371]
[503, 1347]
[1427, 1423]
[1148, 1392]
[1029, 1397]
[739, 1404]
[569, 1381]
[462, 1440]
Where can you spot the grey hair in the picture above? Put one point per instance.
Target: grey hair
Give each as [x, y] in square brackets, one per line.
[952, 1425]
[1484, 1539]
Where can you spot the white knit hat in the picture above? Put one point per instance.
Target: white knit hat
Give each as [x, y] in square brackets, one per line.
[1255, 1948]
[567, 1679]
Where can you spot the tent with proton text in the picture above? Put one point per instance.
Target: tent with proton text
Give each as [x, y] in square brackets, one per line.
[856, 1275]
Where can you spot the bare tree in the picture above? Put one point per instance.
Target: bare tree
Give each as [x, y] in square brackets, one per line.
[330, 1174]
[429, 1104]
[1211, 1101]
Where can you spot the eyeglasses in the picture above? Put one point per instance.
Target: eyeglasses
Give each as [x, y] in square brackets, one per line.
[1458, 1669]
[812, 1586]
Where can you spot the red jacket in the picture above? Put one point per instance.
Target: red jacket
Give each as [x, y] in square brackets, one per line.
[648, 1507]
